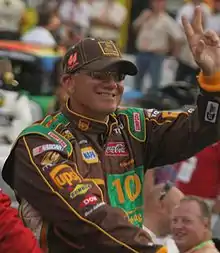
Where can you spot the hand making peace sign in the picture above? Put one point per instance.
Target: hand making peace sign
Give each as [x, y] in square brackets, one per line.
[205, 45]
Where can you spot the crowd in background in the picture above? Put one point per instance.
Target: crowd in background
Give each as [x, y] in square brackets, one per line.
[60, 22]
[157, 35]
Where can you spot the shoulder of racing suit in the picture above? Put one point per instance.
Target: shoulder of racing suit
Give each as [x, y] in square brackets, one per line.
[135, 120]
[46, 128]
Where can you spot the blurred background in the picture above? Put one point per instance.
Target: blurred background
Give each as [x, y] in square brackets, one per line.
[34, 35]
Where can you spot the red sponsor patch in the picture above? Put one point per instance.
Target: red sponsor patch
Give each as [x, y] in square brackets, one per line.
[116, 149]
[58, 139]
[137, 121]
[88, 200]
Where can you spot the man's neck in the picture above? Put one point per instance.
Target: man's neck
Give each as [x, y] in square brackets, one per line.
[158, 13]
[88, 113]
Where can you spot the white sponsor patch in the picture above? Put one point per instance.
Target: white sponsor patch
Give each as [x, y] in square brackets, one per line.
[40, 149]
[211, 112]
[155, 113]
[94, 208]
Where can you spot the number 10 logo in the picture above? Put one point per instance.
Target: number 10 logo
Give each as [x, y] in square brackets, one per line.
[131, 186]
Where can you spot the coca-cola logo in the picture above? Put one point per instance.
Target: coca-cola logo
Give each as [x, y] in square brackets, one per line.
[116, 149]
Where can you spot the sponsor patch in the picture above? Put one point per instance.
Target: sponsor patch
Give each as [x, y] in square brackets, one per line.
[127, 163]
[149, 112]
[83, 125]
[64, 176]
[137, 121]
[155, 113]
[80, 189]
[136, 218]
[89, 155]
[211, 112]
[68, 135]
[170, 114]
[49, 122]
[50, 158]
[47, 147]
[191, 110]
[118, 129]
[58, 139]
[108, 48]
[116, 149]
[82, 142]
[94, 208]
[88, 200]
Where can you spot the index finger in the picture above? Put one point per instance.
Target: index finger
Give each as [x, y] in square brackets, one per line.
[197, 23]
[187, 28]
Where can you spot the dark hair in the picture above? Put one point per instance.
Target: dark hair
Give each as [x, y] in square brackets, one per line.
[204, 208]
[44, 17]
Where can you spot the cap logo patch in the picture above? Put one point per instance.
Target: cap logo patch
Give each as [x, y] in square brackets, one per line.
[108, 48]
[72, 61]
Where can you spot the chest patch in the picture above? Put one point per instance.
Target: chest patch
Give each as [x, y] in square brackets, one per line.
[126, 192]
[116, 148]
[89, 155]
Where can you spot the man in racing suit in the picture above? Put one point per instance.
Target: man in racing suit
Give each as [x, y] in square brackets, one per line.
[79, 173]
[15, 111]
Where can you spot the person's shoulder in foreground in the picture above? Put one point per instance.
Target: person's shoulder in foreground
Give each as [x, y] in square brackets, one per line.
[14, 237]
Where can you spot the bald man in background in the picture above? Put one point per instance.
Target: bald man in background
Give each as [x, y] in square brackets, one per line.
[159, 203]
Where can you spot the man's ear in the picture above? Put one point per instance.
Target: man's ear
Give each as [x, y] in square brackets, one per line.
[207, 223]
[68, 84]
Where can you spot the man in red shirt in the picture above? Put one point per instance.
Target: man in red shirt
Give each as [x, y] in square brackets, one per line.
[14, 237]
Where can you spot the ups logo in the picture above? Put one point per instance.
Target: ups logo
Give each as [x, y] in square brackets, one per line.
[83, 125]
[64, 176]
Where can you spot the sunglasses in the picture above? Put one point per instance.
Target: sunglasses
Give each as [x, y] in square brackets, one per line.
[165, 190]
[104, 75]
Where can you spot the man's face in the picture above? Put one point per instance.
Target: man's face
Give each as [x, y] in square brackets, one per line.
[196, 1]
[158, 5]
[96, 94]
[188, 227]
[54, 23]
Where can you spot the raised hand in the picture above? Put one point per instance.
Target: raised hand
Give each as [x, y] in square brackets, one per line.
[205, 45]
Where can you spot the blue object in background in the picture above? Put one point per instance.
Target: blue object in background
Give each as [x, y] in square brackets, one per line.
[48, 63]
[132, 95]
